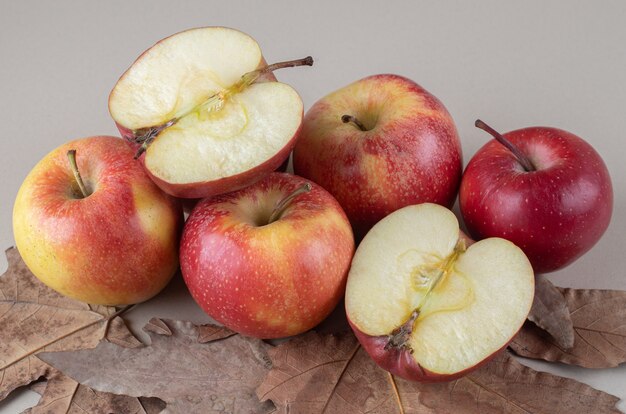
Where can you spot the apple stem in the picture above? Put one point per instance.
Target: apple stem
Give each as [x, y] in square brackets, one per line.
[523, 159]
[307, 61]
[71, 155]
[349, 118]
[282, 205]
[249, 78]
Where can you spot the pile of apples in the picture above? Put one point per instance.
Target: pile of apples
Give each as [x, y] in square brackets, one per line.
[271, 254]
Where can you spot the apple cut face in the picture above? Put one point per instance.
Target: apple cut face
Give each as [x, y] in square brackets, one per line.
[209, 133]
[425, 306]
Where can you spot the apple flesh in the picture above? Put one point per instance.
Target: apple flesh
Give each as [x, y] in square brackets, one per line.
[554, 199]
[265, 274]
[427, 307]
[203, 107]
[118, 245]
[380, 144]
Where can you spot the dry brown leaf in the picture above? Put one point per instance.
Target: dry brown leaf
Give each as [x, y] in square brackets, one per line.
[34, 318]
[61, 394]
[203, 369]
[333, 374]
[598, 317]
[550, 313]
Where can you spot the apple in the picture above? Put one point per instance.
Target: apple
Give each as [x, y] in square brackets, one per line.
[90, 224]
[425, 304]
[380, 144]
[207, 112]
[269, 260]
[545, 189]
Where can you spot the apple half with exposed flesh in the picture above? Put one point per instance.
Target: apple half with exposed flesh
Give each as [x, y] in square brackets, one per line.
[207, 112]
[428, 305]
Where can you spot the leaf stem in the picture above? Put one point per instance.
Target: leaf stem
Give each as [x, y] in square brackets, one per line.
[396, 392]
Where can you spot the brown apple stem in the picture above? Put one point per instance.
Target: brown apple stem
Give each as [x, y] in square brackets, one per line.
[71, 156]
[307, 61]
[523, 159]
[249, 78]
[349, 118]
[282, 205]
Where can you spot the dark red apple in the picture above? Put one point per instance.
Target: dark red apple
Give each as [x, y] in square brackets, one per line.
[545, 189]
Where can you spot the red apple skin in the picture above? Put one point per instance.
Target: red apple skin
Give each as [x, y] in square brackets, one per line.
[272, 280]
[401, 363]
[117, 246]
[411, 154]
[554, 214]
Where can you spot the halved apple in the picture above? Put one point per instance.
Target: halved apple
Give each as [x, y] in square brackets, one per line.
[199, 104]
[428, 307]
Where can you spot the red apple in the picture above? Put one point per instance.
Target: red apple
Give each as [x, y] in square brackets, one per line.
[428, 306]
[265, 267]
[207, 112]
[380, 144]
[545, 189]
[100, 230]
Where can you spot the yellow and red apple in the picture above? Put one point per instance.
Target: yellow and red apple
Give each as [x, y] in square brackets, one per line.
[380, 144]
[269, 260]
[114, 241]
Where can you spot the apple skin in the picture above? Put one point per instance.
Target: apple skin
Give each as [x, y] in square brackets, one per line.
[272, 280]
[117, 246]
[410, 155]
[554, 214]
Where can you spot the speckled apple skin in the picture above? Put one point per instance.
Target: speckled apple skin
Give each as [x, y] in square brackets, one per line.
[554, 214]
[400, 362]
[117, 246]
[272, 280]
[411, 154]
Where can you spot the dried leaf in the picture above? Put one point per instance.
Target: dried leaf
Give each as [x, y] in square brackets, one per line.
[34, 318]
[598, 317]
[61, 394]
[333, 374]
[205, 369]
[550, 312]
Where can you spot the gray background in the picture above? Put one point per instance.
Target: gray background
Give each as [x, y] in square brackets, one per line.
[514, 64]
